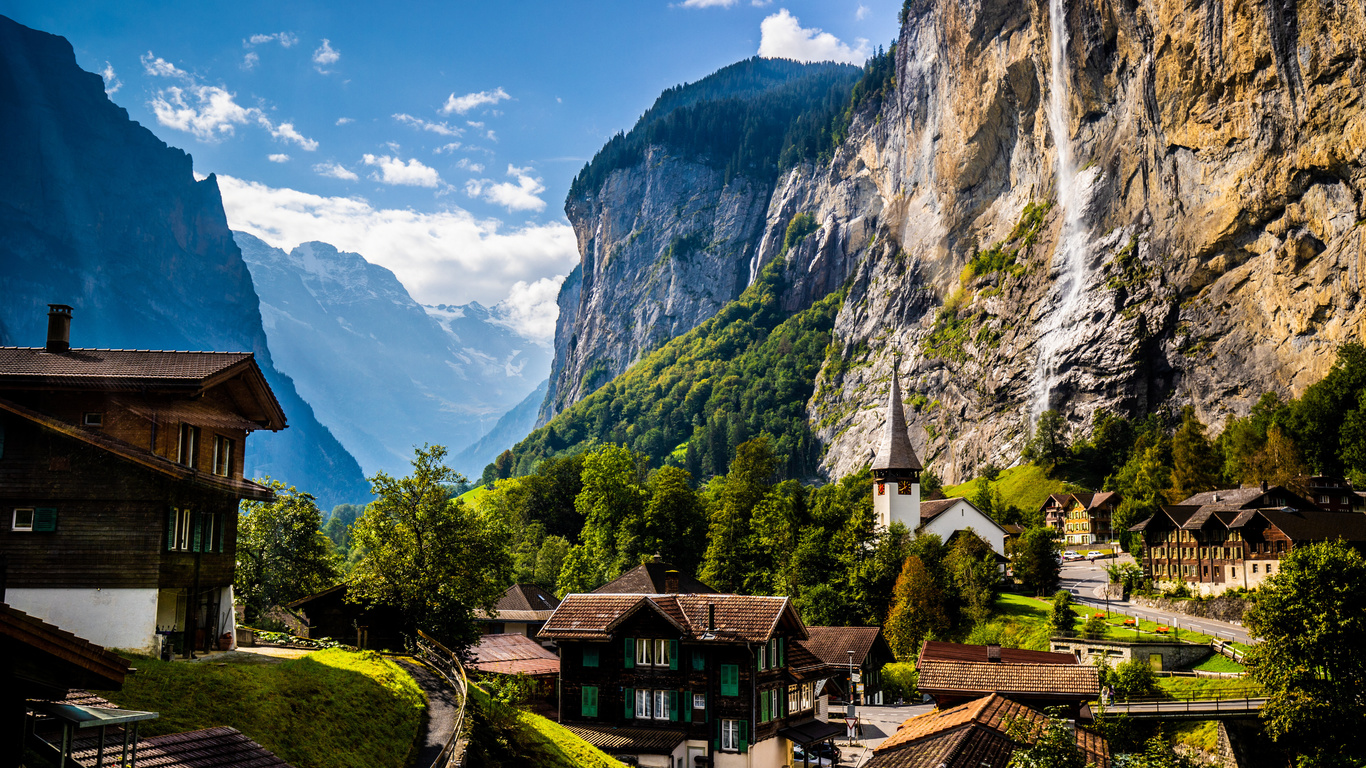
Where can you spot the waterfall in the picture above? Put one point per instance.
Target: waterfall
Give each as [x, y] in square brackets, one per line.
[1070, 257]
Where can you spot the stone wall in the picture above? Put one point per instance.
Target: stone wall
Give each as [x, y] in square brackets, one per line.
[1174, 655]
[1224, 608]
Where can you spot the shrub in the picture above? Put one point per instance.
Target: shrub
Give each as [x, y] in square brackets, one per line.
[1061, 619]
[1134, 678]
[1094, 628]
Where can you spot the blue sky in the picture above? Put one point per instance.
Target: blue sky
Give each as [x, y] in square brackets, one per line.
[437, 139]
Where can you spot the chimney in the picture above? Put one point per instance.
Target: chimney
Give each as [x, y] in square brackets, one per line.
[994, 654]
[1263, 486]
[711, 616]
[58, 327]
[671, 582]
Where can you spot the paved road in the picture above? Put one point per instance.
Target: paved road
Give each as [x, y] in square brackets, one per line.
[1085, 580]
[441, 708]
[878, 723]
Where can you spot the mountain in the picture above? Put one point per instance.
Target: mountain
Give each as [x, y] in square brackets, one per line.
[98, 213]
[1143, 207]
[512, 427]
[384, 372]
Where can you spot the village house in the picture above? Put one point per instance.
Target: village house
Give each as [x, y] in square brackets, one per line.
[896, 489]
[1236, 538]
[837, 653]
[120, 477]
[522, 610]
[953, 673]
[666, 679]
[1082, 518]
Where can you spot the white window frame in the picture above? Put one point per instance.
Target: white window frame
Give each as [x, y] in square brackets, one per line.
[208, 538]
[644, 652]
[661, 705]
[808, 694]
[730, 735]
[763, 656]
[699, 701]
[184, 533]
[222, 455]
[32, 516]
[642, 704]
[92, 419]
[661, 653]
[187, 452]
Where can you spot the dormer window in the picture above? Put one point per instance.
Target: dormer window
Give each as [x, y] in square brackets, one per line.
[93, 419]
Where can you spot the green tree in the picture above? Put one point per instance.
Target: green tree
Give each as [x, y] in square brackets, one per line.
[1311, 620]
[1141, 483]
[1159, 753]
[1278, 461]
[1035, 560]
[549, 562]
[1050, 744]
[612, 504]
[917, 610]
[730, 548]
[432, 557]
[972, 568]
[675, 521]
[1196, 464]
[281, 553]
[1134, 679]
[1062, 620]
[338, 526]
[1048, 445]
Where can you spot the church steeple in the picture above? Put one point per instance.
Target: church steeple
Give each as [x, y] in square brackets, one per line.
[895, 458]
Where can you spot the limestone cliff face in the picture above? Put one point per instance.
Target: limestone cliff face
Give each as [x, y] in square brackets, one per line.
[1200, 245]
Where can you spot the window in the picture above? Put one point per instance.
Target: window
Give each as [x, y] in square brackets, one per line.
[808, 695]
[180, 530]
[794, 698]
[699, 661]
[699, 701]
[643, 704]
[208, 538]
[644, 652]
[23, 520]
[730, 680]
[730, 735]
[222, 455]
[588, 701]
[763, 657]
[590, 656]
[189, 445]
[1254, 567]
[662, 655]
[661, 705]
[93, 419]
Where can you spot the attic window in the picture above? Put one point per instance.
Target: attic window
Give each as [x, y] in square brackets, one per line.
[23, 520]
[93, 419]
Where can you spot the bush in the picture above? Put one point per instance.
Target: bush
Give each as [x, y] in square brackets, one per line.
[1134, 678]
[899, 681]
[1061, 619]
[1095, 628]
[1178, 592]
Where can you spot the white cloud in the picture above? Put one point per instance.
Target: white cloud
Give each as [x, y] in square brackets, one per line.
[278, 158]
[708, 3]
[206, 111]
[473, 167]
[861, 13]
[335, 171]
[112, 83]
[782, 37]
[285, 39]
[443, 257]
[530, 308]
[441, 128]
[286, 132]
[446, 148]
[521, 196]
[325, 56]
[463, 104]
[159, 67]
[250, 60]
[344, 120]
[760, 3]
[394, 171]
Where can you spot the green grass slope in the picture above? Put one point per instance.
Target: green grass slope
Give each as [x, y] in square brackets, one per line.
[1025, 486]
[504, 737]
[330, 709]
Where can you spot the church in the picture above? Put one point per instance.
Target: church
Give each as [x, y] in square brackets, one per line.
[896, 489]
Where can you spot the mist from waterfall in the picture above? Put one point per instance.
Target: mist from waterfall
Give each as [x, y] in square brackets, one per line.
[1070, 257]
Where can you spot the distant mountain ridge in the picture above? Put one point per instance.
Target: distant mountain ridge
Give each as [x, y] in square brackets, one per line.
[385, 373]
[98, 213]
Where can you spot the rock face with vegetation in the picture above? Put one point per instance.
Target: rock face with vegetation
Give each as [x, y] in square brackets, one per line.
[1137, 206]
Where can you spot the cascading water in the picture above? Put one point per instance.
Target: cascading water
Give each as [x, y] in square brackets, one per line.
[1070, 256]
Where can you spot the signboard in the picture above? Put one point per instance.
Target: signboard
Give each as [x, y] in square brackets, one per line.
[851, 726]
[860, 689]
[857, 676]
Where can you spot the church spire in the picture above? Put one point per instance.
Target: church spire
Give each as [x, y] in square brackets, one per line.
[895, 453]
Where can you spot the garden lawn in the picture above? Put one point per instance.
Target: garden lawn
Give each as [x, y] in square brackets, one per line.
[330, 709]
[1208, 687]
[1219, 663]
[1019, 622]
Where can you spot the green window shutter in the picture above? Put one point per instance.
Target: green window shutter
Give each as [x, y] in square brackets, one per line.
[699, 661]
[782, 660]
[630, 703]
[673, 654]
[588, 701]
[198, 519]
[590, 656]
[730, 680]
[170, 529]
[44, 519]
[744, 736]
[687, 707]
[630, 653]
[222, 529]
[673, 706]
[763, 707]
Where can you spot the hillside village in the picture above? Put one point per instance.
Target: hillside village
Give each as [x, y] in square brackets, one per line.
[125, 466]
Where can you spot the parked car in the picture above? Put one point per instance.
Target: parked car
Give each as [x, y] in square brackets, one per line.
[1071, 555]
[824, 754]
[1093, 554]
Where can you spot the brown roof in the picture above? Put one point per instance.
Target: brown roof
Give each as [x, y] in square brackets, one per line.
[831, 645]
[239, 487]
[650, 578]
[749, 618]
[522, 602]
[895, 451]
[60, 658]
[935, 650]
[955, 668]
[1315, 525]
[221, 747]
[932, 509]
[610, 739]
[1249, 497]
[510, 654]
[970, 734]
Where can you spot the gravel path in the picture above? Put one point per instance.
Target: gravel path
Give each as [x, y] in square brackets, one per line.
[441, 708]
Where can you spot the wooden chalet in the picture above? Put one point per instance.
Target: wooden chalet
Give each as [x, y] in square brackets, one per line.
[954, 673]
[685, 678]
[120, 477]
[834, 652]
[974, 734]
[1222, 539]
[330, 614]
[1082, 518]
[523, 609]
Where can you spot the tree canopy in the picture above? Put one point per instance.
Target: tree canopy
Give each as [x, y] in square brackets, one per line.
[282, 554]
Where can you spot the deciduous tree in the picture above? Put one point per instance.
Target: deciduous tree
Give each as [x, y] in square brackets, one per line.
[917, 610]
[282, 555]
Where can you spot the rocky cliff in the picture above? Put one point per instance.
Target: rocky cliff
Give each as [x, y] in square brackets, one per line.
[1070, 204]
[96, 212]
[385, 373]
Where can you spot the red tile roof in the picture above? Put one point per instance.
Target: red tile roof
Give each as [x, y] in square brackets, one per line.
[1032, 681]
[831, 645]
[935, 650]
[510, 654]
[738, 617]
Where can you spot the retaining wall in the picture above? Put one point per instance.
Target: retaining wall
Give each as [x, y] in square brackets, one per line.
[1224, 608]
[1172, 655]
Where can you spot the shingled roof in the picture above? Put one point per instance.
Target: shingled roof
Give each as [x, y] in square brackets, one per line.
[831, 645]
[932, 509]
[52, 658]
[739, 618]
[1249, 497]
[964, 669]
[652, 578]
[221, 747]
[895, 452]
[509, 654]
[611, 739]
[522, 602]
[970, 734]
